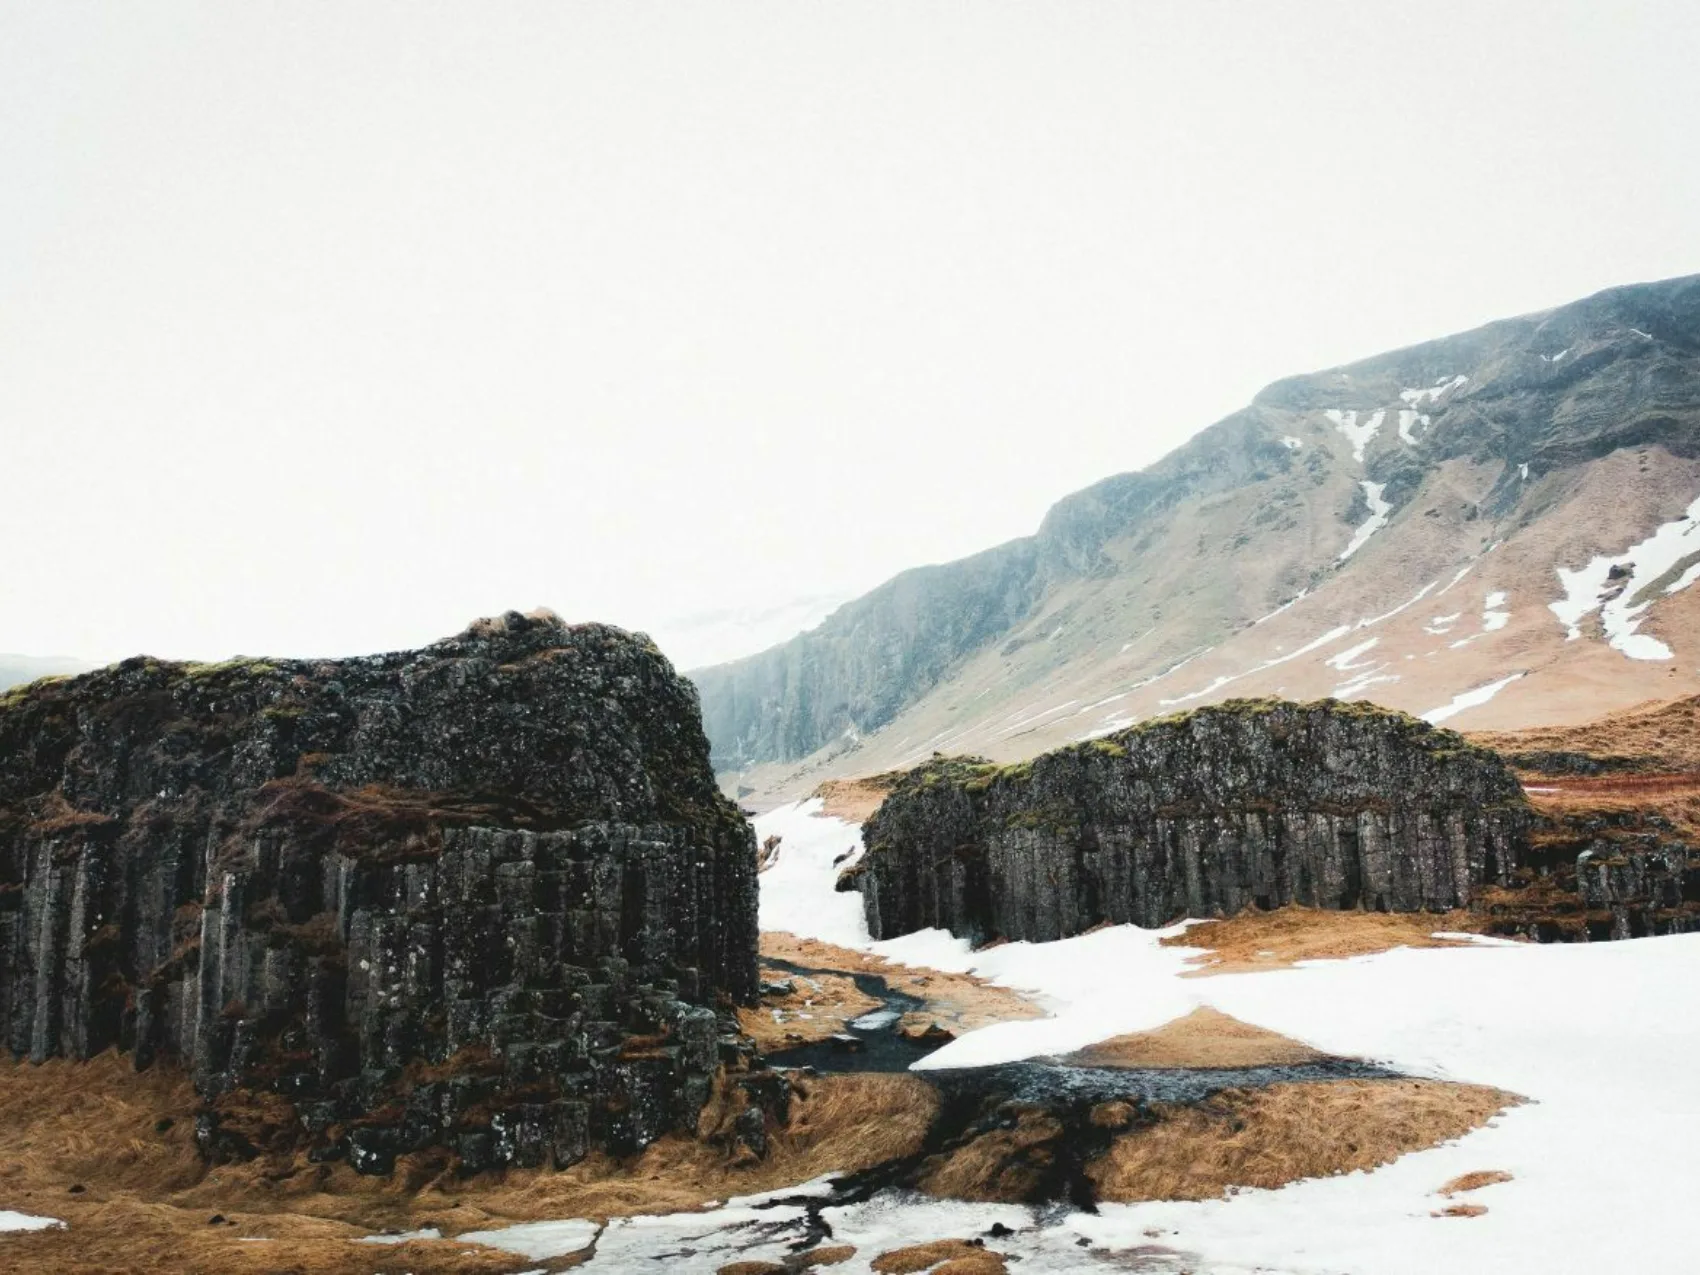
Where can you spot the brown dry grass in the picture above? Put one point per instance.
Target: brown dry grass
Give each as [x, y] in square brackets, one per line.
[855, 800]
[1204, 1038]
[819, 1007]
[1003, 1164]
[811, 1260]
[1269, 1137]
[838, 1123]
[1657, 735]
[957, 1002]
[977, 1263]
[1461, 1210]
[147, 1196]
[1474, 1181]
[957, 1257]
[1275, 940]
[1675, 797]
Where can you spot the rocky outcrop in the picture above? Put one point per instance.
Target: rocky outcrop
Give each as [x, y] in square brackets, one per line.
[483, 895]
[1645, 890]
[1247, 804]
[1596, 873]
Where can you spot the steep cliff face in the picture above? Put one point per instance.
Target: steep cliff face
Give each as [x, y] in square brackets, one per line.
[484, 894]
[1364, 497]
[1249, 804]
[867, 661]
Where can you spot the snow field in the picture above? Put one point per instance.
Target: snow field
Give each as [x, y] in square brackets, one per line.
[1600, 1038]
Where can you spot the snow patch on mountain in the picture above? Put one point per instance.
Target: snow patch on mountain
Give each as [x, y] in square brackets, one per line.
[1434, 392]
[1495, 616]
[1288, 605]
[1403, 606]
[1379, 510]
[1347, 660]
[1333, 635]
[1591, 588]
[1468, 699]
[1462, 572]
[1358, 435]
[1687, 578]
[1037, 717]
[1363, 681]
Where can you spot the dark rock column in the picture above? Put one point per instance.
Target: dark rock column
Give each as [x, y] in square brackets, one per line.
[485, 895]
[1250, 804]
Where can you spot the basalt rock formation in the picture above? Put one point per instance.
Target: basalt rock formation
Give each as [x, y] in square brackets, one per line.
[482, 896]
[1247, 804]
[1595, 874]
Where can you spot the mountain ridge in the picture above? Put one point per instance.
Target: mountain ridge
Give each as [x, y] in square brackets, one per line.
[1319, 478]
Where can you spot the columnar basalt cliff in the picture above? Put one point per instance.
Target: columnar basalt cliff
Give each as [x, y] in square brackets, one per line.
[484, 895]
[1593, 874]
[1248, 804]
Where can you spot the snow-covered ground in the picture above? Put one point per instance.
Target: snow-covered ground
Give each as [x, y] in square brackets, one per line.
[10, 1221]
[1601, 1038]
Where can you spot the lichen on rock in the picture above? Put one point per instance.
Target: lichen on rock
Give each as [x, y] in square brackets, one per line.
[482, 895]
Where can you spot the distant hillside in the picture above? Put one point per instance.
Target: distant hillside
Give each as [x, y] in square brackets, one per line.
[1497, 528]
[15, 670]
[1658, 738]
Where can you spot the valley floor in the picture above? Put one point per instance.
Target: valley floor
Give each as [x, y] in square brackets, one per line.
[1600, 1038]
[1572, 1065]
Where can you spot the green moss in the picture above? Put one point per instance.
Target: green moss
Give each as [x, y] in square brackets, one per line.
[973, 773]
[976, 775]
[15, 695]
[241, 664]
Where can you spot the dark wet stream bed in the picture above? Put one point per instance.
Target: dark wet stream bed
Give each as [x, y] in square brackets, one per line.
[1063, 1100]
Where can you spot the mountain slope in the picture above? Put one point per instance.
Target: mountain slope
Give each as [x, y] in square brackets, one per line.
[1397, 529]
[15, 670]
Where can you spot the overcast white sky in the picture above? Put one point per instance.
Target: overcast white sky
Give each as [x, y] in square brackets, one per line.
[327, 327]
